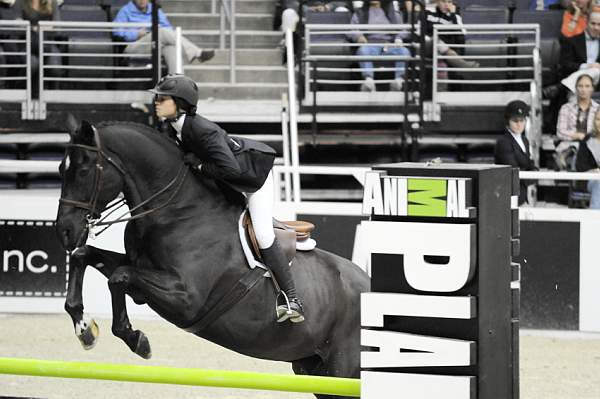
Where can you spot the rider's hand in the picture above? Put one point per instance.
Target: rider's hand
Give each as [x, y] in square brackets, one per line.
[192, 160]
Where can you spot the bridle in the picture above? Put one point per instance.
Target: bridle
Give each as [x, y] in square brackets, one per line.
[93, 214]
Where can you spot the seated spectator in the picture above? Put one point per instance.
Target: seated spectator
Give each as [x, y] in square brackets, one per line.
[445, 13]
[575, 121]
[376, 12]
[141, 11]
[291, 9]
[35, 11]
[512, 148]
[588, 160]
[575, 18]
[578, 54]
[582, 51]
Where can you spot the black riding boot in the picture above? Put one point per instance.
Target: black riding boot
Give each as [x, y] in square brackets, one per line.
[275, 259]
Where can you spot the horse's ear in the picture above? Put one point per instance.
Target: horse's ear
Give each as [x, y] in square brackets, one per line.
[86, 133]
[72, 125]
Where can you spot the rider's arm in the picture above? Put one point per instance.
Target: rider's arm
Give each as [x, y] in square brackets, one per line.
[210, 143]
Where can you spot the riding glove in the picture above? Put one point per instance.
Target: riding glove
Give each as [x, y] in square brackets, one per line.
[192, 160]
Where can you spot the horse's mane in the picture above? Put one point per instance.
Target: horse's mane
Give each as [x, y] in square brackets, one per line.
[146, 131]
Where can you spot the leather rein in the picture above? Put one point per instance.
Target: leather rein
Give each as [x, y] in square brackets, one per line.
[93, 215]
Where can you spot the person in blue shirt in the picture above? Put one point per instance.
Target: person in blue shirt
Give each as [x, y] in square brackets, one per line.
[141, 11]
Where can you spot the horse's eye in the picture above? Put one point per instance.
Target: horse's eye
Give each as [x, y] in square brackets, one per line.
[83, 172]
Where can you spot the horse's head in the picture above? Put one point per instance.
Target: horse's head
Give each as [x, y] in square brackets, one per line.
[90, 180]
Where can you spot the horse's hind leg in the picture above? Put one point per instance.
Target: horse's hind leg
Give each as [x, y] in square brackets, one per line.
[105, 262]
[162, 290]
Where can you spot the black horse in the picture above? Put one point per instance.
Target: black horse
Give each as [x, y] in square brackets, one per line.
[183, 251]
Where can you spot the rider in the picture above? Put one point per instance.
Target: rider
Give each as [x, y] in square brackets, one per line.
[240, 164]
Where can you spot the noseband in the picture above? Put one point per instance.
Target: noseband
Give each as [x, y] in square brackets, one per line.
[93, 214]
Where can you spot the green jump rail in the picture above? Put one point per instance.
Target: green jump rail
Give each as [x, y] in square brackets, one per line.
[182, 376]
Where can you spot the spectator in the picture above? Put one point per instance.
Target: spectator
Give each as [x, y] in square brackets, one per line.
[575, 121]
[376, 12]
[578, 54]
[141, 11]
[289, 18]
[512, 148]
[445, 13]
[588, 160]
[35, 11]
[575, 18]
[582, 51]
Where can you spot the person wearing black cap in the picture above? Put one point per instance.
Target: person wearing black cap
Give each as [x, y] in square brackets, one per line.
[512, 148]
[239, 165]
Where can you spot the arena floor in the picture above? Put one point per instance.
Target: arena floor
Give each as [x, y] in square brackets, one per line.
[553, 364]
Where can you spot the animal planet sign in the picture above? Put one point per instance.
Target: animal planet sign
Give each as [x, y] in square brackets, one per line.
[420, 322]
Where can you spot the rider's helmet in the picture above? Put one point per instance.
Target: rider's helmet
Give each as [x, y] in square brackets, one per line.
[183, 90]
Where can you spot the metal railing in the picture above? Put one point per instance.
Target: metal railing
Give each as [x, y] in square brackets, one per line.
[103, 70]
[15, 77]
[226, 9]
[330, 36]
[510, 68]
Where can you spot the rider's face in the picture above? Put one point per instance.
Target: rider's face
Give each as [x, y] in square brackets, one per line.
[165, 107]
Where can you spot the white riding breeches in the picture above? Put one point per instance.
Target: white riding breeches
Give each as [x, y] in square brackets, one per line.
[260, 205]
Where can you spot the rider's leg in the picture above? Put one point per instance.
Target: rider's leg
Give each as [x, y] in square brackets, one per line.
[260, 204]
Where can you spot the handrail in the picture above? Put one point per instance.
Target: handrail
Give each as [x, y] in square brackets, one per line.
[293, 112]
[22, 96]
[75, 94]
[528, 32]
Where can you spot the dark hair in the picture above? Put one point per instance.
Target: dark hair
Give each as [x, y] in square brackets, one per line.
[585, 75]
[184, 106]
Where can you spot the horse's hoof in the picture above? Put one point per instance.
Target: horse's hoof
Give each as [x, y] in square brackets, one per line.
[143, 346]
[88, 336]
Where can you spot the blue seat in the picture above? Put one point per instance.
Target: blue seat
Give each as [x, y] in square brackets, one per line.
[464, 4]
[67, 3]
[46, 151]
[445, 152]
[550, 21]
[485, 15]
[8, 151]
[43, 181]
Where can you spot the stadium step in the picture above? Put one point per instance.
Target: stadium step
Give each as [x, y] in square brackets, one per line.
[191, 20]
[204, 6]
[243, 74]
[271, 57]
[244, 38]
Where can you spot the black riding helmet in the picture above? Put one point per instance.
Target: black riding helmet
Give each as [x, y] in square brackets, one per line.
[516, 108]
[183, 90]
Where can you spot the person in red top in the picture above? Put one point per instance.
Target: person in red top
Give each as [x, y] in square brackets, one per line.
[575, 18]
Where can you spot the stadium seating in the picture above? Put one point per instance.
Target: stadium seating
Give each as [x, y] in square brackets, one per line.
[485, 15]
[334, 49]
[87, 42]
[550, 21]
[466, 4]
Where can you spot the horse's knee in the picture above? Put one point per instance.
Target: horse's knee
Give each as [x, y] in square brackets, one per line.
[120, 277]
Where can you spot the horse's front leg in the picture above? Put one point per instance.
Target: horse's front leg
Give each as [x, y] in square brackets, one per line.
[164, 291]
[105, 261]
